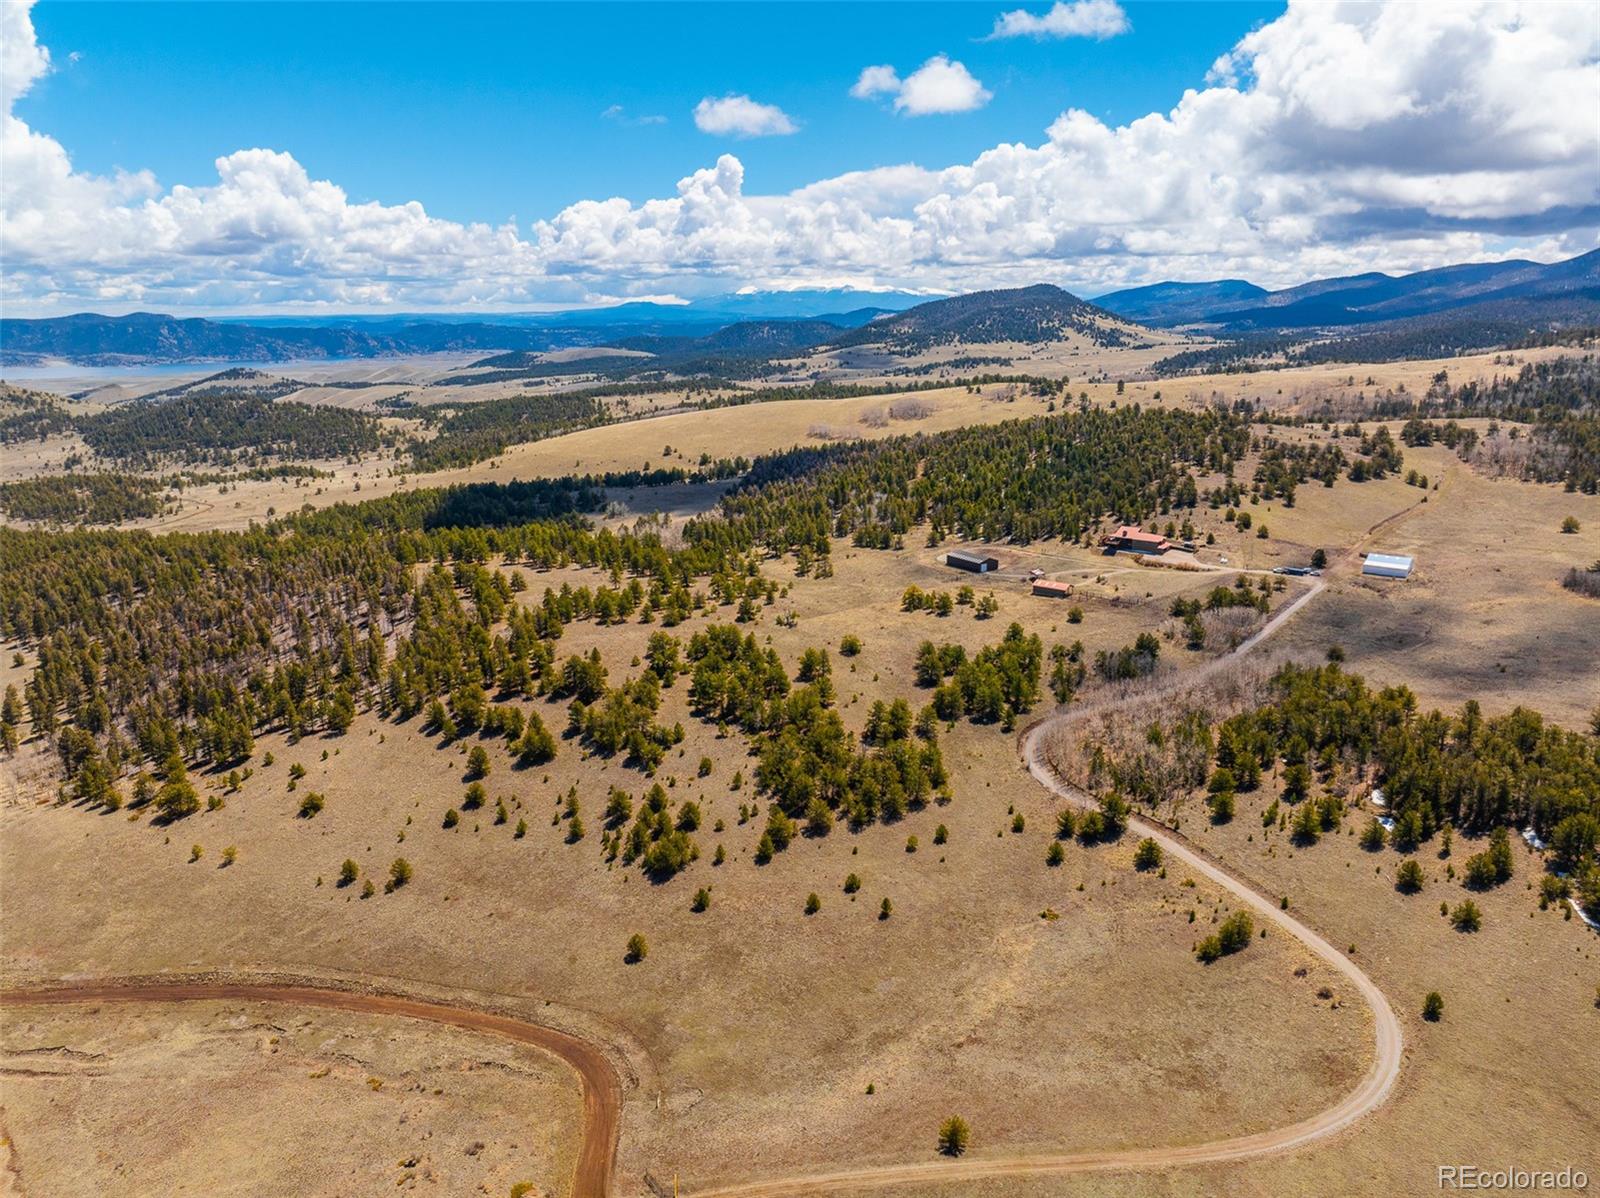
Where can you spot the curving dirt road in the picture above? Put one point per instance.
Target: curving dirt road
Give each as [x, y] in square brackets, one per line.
[602, 1092]
[1366, 1097]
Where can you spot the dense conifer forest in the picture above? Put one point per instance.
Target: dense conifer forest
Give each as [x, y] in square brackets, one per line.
[223, 427]
[101, 498]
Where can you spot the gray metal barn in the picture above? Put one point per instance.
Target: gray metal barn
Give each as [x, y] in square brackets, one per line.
[978, 563]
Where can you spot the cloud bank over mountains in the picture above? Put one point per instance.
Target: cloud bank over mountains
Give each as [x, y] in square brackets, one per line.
[1336, 139]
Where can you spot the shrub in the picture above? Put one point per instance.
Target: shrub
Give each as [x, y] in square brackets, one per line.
[669, 854]
[310, 805]
[1574, 839]
[1113, 815]
[852, 884]
[1466, 916]
[348, 872]
[813, 903]
[1570, 524]
[1222, 807]
[1018, 823]
[850, 646]
[1408, 878]
[954, 1136]
[702, 900]
[1307, 826]
[536, 746]
[451, 818]
[638, 949]
[1500, 854]
[196, 852]
[941, 834]
[885, 909]
[1054, 855]
[1433, 1006]
[1480, 872]
[478, 762]
[229, 855]
[1232, 936]
[1066, 823]
[1235, 932]
[1373, 836]
[1147, 856]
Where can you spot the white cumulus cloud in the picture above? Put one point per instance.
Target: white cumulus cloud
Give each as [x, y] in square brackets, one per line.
[940, 85]
[937, 86]
[1339, 138]
[1098, 19]
[876, 81]
[740, 116]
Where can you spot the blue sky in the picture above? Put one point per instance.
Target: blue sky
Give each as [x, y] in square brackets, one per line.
[482, 111]
[213, 158]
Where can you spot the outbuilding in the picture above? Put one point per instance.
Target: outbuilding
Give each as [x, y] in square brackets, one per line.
[1051, 589]
[1386, 565]
[978, 563]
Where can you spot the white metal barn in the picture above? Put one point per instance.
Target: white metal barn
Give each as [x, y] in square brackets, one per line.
[1385, 565]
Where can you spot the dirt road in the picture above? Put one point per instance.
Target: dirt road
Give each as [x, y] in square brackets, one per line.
[1366, 1097]
[602, 1092]
[602, 1097]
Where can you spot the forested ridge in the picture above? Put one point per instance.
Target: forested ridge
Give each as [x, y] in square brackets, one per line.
[1326, 734]
[1559, 397]
[222, 427]
[190, 644]
[97, 498]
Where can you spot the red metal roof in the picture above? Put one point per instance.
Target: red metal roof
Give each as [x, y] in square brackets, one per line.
[1137, 536]
[1049, 586]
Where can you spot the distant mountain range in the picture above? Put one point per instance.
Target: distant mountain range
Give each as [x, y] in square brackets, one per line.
[1236, 306]
[142, 338]
[1491, 296]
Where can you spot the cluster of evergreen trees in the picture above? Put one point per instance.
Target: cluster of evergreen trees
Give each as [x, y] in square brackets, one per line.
[1050, 476]
[1558, 397]
[475, 431]
[222, 426]
[1437, 771]
[30, 416]
[995, 685]
[97, 498]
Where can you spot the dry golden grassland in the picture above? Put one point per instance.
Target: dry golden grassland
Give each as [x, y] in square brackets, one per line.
[1484, 615]
[744, 430]
[753, 1030]
[258, 1098]
[1509, 1076]
[762, 1027]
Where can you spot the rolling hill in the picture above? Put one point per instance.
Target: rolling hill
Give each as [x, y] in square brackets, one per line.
[1028, 314]
[1172, 303]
